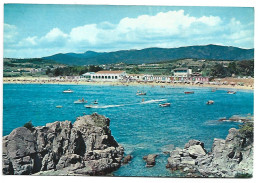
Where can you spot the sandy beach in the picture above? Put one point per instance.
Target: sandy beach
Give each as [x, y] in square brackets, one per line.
[233, 83]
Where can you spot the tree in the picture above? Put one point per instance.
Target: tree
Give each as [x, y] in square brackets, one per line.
[246, 68]
[48, 71]
[219, 70]
[232, 67]
[135, 70]
[57, 72]
[93, 68]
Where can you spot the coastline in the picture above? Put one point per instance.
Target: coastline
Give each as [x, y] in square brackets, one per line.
[31, 80]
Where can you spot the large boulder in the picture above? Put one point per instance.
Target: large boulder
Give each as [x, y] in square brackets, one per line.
[150, 160]
[86, 147]
[196, 150]
[228, 157]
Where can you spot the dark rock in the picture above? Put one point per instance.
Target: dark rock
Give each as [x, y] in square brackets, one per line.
[150, 160]
[127, 159]
[84, 148]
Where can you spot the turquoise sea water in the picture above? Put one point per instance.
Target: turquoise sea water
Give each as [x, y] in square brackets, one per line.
[142, 128]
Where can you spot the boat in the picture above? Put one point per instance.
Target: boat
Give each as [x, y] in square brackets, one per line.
[80, 101]
[165, 105]
[88, 106]
[210, 102]
[95, 102]
[59, 106]
[231, 92]
[140, 93]
[189, 92]
[68, 91]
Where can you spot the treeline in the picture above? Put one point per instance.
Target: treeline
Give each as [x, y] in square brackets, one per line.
[72, 70]
[238, 68]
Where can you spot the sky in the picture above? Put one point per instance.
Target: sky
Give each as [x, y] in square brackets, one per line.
[41, 30]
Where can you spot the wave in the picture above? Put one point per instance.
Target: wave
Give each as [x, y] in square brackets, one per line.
[111, 106]
[152, 101]
[105, 106]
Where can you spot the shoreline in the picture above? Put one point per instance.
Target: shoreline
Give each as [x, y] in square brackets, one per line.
[118, 83]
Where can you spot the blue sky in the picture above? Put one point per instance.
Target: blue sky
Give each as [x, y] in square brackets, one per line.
[42, 30]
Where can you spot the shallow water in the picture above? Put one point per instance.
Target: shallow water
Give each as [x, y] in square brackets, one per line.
[141, 127]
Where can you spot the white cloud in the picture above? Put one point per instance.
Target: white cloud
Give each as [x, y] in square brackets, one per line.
[10, 33]
[238, 33]
[54, 35]
[28, 42]
[211, 20]
[86, 33]
[54, 38]
[165, 29]
[172, 23]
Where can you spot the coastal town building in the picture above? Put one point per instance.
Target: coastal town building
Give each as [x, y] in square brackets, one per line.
[149, 78]
[135, 77]
[197, 77]
[66, 78]
[122, 76]
[105, 76]
[87, 76]
[181, 74]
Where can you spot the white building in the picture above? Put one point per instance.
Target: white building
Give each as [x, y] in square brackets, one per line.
[182, 73]
[87, 76]
[105, 75]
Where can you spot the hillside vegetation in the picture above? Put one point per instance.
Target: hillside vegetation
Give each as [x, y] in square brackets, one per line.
[152, 55]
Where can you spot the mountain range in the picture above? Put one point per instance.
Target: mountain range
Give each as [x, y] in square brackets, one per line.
[153, 55]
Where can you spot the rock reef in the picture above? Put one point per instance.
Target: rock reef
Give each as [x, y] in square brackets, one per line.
[150, 160]
[229, 157]
[62, 148]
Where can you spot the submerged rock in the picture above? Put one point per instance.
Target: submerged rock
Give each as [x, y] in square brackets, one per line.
[150, 160]
[86, 147]
[228, 158]
[127, 159]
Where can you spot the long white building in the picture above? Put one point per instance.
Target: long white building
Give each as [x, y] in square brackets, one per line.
[105, 75]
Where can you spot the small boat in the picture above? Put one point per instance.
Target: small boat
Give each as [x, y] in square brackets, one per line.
[80, 101]
[68, 91]
[88, 106]
[210, 102]
[231, 92]
[95, 102]
[189, 92]
[59, 106]
[140, 93]
[165, 105]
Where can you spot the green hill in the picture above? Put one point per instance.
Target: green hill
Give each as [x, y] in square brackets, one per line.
[152, 55]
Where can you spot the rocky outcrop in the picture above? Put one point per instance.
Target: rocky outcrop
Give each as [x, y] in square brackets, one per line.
[228, 158]
[127, 159]
[60, 148]
[150, 160]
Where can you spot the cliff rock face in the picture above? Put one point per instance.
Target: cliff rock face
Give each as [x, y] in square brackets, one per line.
[227, 158]
[60, 148]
